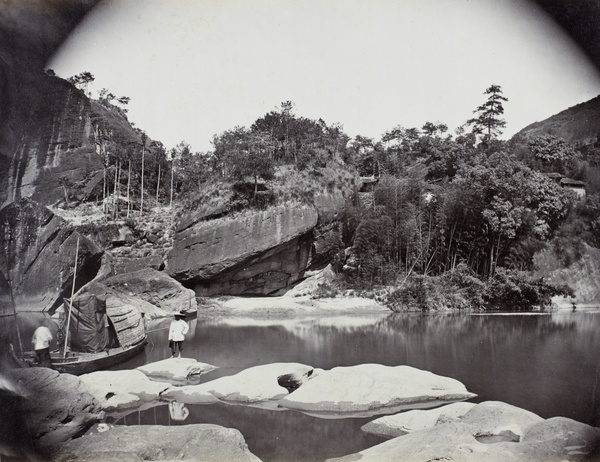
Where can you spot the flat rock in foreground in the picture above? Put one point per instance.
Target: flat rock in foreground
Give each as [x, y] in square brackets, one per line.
[370, 389]
[176, 371]
[196, 442]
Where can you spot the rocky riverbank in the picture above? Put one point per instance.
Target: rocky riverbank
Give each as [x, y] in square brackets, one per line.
[70, 417]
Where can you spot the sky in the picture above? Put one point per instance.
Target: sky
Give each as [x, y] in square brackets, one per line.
[195, 68]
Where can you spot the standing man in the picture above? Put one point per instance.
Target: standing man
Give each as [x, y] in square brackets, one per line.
[41, 344]
[177, 331]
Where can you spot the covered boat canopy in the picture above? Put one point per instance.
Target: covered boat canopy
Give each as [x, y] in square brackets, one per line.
[126, 320]
[99, 322]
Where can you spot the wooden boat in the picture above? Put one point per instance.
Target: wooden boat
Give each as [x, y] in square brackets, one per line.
[104, 332]
[188, 314]
[78, 363]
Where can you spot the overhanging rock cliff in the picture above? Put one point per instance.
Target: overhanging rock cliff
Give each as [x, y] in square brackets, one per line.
[256, 252]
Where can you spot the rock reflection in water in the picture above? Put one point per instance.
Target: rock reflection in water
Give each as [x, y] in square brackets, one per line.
[272, 436]
[545, 363]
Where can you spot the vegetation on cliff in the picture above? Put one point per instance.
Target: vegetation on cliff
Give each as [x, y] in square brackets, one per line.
[464, 211]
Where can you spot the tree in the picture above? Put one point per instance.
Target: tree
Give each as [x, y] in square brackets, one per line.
[82, 80]
[554, 152]
[488, 121]
[287, 108]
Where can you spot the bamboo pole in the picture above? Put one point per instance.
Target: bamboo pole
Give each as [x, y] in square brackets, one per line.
[128, 183]
[71, 300]
[142, 194]
[115, 192]
[171, 199]
[158, 185]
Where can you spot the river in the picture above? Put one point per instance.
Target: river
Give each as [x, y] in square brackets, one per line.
[546, 363]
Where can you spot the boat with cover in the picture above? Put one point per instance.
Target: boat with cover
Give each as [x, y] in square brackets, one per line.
[102, 332]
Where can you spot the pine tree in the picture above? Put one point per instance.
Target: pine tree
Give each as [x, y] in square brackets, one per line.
[488, 121]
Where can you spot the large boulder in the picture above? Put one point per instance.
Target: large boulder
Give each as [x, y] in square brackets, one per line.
[197, 442]
[496, 417]
[119, 391]
[259, 385]
[176, 371]
[57, 407]
[39, 256]
[369, 389]
[487, 434]
[258, 252]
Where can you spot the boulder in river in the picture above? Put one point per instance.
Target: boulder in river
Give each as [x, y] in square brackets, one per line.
[176, 371]
[492, 431]
[156, 442]
[370, 389]
[257, 385]
[117, 391]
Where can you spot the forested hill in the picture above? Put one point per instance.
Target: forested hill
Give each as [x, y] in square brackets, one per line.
[579, 124]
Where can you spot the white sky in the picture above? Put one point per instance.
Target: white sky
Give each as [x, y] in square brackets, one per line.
[195, 68]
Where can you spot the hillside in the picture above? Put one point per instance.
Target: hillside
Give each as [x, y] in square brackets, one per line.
[579, 124]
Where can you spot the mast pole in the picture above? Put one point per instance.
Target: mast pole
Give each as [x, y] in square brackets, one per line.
[71, 300]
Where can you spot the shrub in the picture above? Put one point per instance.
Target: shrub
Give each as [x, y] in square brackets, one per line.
[511, 290]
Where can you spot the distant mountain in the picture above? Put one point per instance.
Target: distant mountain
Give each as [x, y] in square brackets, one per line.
[578, 124]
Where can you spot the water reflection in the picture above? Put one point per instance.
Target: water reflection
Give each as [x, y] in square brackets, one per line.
[545, 363]
[272, 436]
[178, 411]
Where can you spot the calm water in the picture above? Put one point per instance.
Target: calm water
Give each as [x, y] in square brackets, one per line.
[546, 363]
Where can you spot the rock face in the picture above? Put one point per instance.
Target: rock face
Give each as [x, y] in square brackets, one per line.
[39, 255]
[198, 442]
[49, 149]
[255, 253]
[58, 407]
[29, 35]
[492, 431]
[369, 389]
[58, 157]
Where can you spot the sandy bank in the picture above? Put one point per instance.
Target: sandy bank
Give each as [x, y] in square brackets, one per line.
[286, 306]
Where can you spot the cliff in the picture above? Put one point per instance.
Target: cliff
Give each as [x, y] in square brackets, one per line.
[256, 252]
[46, 137]
[38, 256]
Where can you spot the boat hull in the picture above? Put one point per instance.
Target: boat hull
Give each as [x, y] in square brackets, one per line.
[82, 363]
